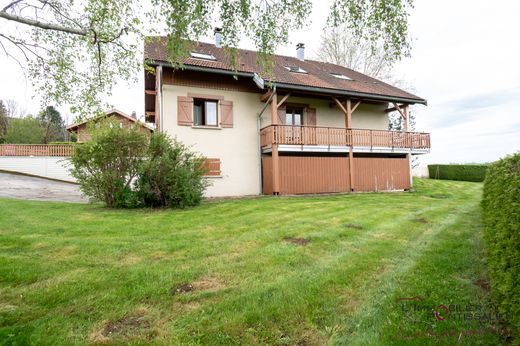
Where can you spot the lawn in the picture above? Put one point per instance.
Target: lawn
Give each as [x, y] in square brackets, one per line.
[284, 271]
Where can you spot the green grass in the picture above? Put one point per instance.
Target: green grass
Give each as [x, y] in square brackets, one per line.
[82, 274]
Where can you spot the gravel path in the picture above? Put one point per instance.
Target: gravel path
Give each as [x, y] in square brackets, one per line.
[25, 187]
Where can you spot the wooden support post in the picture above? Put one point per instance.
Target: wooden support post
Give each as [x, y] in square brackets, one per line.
[348, 122]
[409, 155]
[274, 146]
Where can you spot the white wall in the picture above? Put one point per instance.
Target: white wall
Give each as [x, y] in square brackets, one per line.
[236, 147]
[421, 172]
[43, 166]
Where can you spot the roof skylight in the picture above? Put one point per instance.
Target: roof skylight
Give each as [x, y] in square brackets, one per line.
[295, 69]
[202, 56]
[340, 76]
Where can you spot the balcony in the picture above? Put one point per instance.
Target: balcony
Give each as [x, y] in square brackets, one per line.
[334, 139]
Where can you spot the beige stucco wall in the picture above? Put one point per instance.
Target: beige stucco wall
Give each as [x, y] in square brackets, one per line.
[238, 147]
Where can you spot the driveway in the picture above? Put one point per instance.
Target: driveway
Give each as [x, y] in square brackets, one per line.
[25, 187]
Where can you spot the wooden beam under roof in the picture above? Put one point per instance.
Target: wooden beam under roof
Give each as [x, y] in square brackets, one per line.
[264, 97]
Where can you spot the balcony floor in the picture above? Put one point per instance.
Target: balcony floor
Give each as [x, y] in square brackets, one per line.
[344, 149]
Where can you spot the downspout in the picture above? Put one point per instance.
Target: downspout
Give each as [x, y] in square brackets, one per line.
[258, 122]
[161, 118]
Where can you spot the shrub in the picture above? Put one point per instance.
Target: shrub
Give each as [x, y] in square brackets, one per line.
[106, 165]
[172, 175]
[25, 130]
[458, 172]
[501, 217]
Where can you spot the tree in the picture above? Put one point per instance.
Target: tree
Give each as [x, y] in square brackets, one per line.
[3, 121]
[339, 46]
[14, 110]
[52, 124]
[75, 49]
[25, 130]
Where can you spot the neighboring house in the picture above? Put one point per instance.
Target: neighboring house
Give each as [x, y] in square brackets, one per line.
[317, 128]
[124, 120]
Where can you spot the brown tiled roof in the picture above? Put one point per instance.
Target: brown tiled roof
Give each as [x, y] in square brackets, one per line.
[318, 73]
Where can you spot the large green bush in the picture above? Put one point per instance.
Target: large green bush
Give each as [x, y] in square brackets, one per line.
[106, 166]
[469, 172]
[125, 168]
[501, 217]
[172, 175]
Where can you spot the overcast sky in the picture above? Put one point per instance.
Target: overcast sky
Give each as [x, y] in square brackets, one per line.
[465, 62]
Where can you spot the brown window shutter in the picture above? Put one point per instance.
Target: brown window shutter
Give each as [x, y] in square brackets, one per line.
[184, 111]
[281, 115]
[212, 167]
[311, 117]
[226, 113]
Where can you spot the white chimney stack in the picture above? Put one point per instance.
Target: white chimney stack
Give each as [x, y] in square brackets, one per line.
[218, 37]
[300, 51]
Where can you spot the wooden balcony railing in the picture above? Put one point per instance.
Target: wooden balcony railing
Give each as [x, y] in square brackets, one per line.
[36, 149]
[333, 136]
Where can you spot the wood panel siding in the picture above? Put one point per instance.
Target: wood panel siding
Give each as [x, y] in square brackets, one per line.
[267, 175]
[316, 135]
[381, 174]
[208, 80]
[308, 174]
[330, 174]
[59, 150]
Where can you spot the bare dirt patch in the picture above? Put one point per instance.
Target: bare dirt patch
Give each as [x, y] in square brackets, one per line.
[353, 225]
[297, 241]
[124, 327]
[484, 285]
[182, 288]
[421, 220]
[208, 284]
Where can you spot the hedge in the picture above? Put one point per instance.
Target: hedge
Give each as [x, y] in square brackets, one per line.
[501, 217]
[458, 172]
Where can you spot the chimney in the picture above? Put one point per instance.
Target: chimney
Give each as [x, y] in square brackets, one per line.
[134, 115]
[218, 37]
[300, 51]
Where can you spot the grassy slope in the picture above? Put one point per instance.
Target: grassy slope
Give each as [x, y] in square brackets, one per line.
[79, 273]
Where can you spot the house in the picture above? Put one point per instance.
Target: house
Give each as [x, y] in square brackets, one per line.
[317, 128]
[124, 120]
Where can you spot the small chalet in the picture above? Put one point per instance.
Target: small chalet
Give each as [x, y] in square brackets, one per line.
[125, 120]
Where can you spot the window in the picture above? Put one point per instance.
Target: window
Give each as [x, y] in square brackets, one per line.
[295, 69]
[294, 116]
[205, 112]
[340, 76]
[202, 56]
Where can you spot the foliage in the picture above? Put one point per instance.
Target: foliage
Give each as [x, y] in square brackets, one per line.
[53, 125]
[378, 22]
[77, 50]
[171, 176]
[25, 130]
[501, 216]
[469, 172]
[109, 276]
[106, 165]
[127, 168]
[4, 122]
